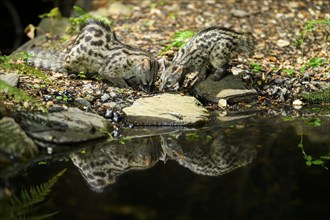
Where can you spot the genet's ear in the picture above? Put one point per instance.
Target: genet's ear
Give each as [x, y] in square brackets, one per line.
[145, 64]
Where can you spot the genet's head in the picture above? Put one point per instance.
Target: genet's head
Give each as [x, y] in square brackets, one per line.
[171, 77]
[248, 43]
[146, 72]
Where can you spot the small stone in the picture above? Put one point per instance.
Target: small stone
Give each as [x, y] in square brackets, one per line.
[11, 79]
[297, 104]
[222, 103]
[110, 105]
[113, 94]
[89, 97]
[237, 71]
[105, 97]
[239, 13]
[82, 102]
[282, 43]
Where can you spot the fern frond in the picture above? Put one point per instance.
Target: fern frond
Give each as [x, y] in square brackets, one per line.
[19, 206]
[39, 217]
[17, 93]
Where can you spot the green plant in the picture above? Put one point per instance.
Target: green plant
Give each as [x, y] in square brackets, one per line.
[21, 206]
[256, 67]
[317, 96]
[313, 63]
[309, 159]
[179, 39]
[290, 72]
[310, 27]
[53, 13]
[16, 62]
[17, 94]
[81, 18]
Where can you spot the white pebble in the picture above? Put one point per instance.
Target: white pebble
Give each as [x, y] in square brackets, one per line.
[283, 43]
[297, 104]
[222, 103]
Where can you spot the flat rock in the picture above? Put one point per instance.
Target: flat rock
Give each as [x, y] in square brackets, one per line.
[167, 109]
[70, 126]
[230, 88]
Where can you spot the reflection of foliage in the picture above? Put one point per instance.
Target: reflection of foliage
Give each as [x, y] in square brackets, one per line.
[310, 160]
[20, 207]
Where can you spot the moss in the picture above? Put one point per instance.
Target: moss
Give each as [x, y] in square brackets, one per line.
[319, 97]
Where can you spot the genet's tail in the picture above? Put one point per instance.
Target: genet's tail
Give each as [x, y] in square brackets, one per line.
[47, 59]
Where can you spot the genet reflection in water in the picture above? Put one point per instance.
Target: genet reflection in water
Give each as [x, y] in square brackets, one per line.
[203, 152]
[210, 157]
[103, 164]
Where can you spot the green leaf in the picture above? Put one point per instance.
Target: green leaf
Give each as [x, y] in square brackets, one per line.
[256, 67]
[327, 157]
[318, 162]
[308, 163]
[16, 93]
[19, 207]
[289, 71]
[179, 39]
[315, 62]
[53, 13]
[79, 11]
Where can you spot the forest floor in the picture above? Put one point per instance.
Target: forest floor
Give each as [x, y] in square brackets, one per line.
[291, 57]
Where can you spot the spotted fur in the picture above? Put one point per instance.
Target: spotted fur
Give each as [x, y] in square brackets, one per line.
[212, 47]
[97, 50]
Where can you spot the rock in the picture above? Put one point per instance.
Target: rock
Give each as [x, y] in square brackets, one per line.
[230, 88]
[14, 141]
[119, 8]
[82, 102]
[167, 109]
[105, 97]
[239, 13]
[61, 127]
[297, 104]
[10, 79]
[282, 43]
[222, 103]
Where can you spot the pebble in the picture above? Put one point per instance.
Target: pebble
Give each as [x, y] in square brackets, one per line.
[222, 103]
[11, 79]
[83, 102]
[282, 43]
[239, 13]
[297, 104]
[105, 97]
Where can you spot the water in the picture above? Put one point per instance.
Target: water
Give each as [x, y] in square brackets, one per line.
[244, 169]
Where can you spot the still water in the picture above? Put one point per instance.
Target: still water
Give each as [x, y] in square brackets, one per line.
[243, 169]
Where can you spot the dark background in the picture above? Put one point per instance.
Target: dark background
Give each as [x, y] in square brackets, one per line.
[15, 15]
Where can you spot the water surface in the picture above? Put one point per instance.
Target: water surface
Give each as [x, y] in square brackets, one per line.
[244, 169]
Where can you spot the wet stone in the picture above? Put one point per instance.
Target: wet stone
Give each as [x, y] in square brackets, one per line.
[230, 88]
[70, 126]
[167, 110]
[21, 147]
